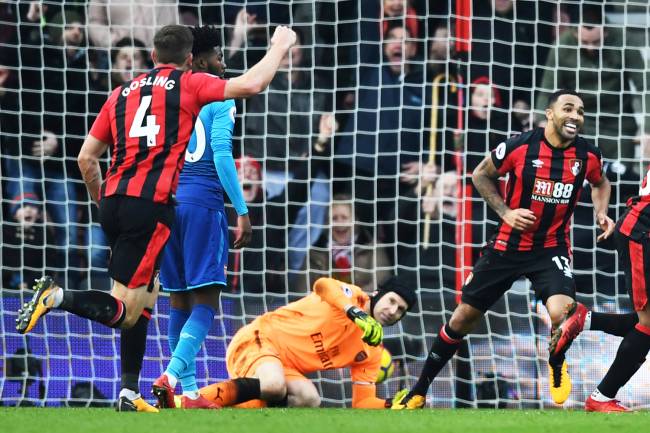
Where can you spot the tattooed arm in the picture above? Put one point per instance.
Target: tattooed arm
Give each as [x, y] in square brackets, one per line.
[485, 180]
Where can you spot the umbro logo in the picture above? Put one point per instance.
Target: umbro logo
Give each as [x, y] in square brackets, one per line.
[538, 163]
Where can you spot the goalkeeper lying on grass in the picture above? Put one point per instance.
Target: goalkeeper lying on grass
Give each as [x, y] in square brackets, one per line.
[267, 360]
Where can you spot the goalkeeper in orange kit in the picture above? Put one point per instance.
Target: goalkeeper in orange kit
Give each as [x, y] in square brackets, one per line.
[267, 360]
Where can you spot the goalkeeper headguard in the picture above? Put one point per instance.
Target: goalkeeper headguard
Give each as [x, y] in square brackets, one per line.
[393, 285]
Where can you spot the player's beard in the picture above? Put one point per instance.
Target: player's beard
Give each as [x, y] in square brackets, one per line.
[559, 129]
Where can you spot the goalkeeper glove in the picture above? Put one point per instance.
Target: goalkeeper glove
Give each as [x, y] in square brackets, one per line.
[372, 330]
[390, 402]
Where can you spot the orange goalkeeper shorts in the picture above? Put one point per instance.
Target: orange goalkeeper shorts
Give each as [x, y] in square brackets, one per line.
[251, 347]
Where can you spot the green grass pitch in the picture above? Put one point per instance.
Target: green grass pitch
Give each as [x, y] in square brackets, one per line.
[64, 420]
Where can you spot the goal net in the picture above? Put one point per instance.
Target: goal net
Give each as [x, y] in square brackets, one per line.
[356, 163]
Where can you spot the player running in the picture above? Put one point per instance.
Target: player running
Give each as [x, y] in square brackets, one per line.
[547, 168]
[148, 122]
[193, 267]
[268, 359]
[633, 245]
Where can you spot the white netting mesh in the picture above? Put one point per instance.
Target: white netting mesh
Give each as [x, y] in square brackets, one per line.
[375, 78]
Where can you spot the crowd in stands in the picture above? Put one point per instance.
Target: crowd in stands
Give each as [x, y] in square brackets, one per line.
[339, 166]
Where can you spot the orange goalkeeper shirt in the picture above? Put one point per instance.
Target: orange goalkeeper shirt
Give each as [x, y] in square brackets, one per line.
[315, 334]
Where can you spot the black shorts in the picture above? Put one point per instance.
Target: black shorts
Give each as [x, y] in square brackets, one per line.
[634, 258]
[549, 271]
[137, 230]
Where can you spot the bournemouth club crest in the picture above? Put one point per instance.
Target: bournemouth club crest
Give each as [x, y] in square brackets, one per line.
[576, 166]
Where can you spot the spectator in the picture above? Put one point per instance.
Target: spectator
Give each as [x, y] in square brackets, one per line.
[486, 126]
[108, 22]
[129, 57]
[508, 36]
[259, 267]
[385, 131]
[441, 70]
[400, 13]
[28, 244]
[284, 128]
[595, 59]
[429, 262]
[346, 251]
[51, 122]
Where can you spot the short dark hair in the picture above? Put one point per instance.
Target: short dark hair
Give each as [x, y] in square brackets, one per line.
[128, 41]
[173, 43]
[205, 39]
[556, 95]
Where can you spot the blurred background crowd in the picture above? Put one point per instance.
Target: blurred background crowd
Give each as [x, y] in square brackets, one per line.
[356, 162]
[340, 166]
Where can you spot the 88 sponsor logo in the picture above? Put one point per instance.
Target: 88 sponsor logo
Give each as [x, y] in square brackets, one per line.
[550, 188]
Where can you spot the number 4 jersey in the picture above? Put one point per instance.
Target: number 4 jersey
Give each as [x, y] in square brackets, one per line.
[149, 121]
[546, 180]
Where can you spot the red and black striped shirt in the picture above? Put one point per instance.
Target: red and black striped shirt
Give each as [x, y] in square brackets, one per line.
[149, 121]
[635, 222]
[546, 180]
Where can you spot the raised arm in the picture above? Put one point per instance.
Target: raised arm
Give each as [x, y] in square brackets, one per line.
[485, 178]
[331, 291]
[259, 76]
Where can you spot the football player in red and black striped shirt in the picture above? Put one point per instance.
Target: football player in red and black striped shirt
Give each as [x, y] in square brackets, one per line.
[633, 244]
[546, 170]
[148, 123]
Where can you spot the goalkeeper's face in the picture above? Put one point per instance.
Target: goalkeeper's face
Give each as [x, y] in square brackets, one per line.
[389, 309]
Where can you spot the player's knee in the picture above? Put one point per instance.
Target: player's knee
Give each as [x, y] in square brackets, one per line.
[310, 400]
[129, 321]
[304, 397]
[557, 316]
[458, 324]
[130, 318]
[273, 389]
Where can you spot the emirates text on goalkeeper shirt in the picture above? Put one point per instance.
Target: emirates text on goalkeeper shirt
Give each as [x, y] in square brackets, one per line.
[149, 120]
[546, 180]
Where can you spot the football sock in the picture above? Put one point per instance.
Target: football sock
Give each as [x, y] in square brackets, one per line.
[188, 378]
[191, 337]
[556, 361]
[133, 343]
[56, 297]
[192, 395]
[177, 319]
[171, 379]
[129, 393]
[95, 305]
[232, 392]
[598, 396]
[279, 403]
[443, 348]
[629, 358]
[614, 324]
